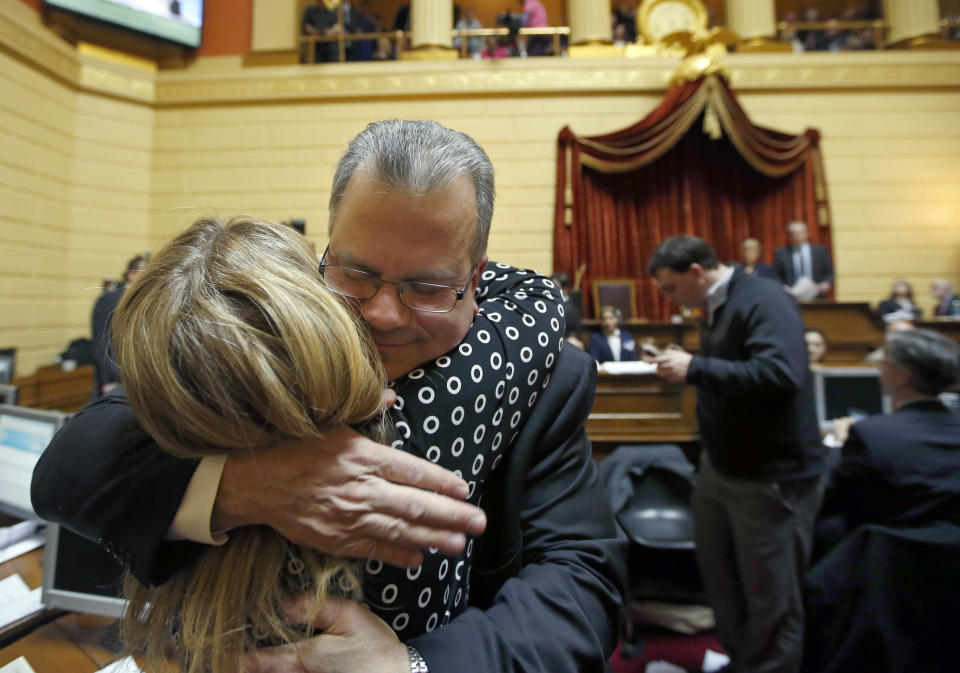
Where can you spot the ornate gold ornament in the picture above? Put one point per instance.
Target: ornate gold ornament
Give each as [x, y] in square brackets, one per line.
[658, 19]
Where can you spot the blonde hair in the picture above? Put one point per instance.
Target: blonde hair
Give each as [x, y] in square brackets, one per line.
[229, 342]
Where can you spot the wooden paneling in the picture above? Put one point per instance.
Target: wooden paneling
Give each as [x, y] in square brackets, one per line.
[52, 388]
[642, 408]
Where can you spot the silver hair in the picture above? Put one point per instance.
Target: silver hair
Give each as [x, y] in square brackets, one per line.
[416, 157]
[932, 359]
[799, 223]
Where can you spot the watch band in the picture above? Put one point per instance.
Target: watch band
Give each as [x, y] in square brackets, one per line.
[417, 662]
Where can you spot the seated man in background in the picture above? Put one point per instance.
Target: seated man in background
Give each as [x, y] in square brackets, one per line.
[892, 509]
[410, 209]
[612, 343]
[802, 259]
[948, 304]
[105, 376]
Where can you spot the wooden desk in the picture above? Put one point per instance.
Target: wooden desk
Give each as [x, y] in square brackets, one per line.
[851, 328]
[642, 408]
[947, 327]
[30, 568]
[52, 388]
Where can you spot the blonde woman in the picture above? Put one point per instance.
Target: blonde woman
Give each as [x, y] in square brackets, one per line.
[231, 342]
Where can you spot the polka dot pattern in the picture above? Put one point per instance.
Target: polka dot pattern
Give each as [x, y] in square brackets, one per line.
[454, 412]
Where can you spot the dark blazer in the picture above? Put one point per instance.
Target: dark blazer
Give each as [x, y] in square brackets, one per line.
[548, 518]
[755, 402]
[600, 349]
[881, 597]
[819, 257]
[105, 367]
[945, 306]
[888, 306]
[762, 270]
[899, 469]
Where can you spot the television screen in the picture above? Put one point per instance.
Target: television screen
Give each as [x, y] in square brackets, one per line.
[24, 434]
[79, 575]
[175, 20]
[848, 391]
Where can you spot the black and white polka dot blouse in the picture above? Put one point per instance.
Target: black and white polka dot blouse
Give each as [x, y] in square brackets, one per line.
[463, 411]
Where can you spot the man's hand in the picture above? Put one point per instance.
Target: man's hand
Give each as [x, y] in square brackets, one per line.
[673, 365]
[345, 494]
[354, 640]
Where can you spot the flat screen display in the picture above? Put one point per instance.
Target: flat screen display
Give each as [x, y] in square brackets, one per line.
[175, 20]
[848, 391]
[24, 434]
[79, 575]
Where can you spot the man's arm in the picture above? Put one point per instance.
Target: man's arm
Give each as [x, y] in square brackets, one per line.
[776, 357]
[104, 478]
[560, 610]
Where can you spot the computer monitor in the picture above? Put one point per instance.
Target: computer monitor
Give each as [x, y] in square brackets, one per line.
[8, 394]
[79, 575]
[848, 391]
[24, 434]
[8, 361]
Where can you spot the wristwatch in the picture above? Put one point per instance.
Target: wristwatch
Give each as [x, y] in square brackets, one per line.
[417, 662]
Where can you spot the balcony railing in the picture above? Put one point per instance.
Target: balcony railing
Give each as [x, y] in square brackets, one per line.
[827, 35]
[400, 40]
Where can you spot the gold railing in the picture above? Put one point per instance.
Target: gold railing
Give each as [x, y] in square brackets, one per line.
[877, 27]
[400, 39]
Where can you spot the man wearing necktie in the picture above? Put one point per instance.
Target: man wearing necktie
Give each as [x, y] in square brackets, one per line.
[802, 259]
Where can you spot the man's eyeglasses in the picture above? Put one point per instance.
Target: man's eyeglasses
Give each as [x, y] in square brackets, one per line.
[357, 284]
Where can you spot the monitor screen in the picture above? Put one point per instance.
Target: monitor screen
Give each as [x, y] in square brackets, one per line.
[79, 575]
[848, 391]
[8, 358]
[24, 434]
[175, 20]
[8, 394]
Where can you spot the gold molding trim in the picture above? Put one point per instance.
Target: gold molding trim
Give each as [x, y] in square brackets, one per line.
[210, 80]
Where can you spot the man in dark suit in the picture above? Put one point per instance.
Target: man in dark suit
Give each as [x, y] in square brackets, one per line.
[611, 343]
[802, 259]
[551, 534]
[105, 375]
[947, 303]
[759, 484]
[896, 489]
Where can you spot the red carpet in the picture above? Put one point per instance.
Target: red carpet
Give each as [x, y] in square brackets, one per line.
[684, 651]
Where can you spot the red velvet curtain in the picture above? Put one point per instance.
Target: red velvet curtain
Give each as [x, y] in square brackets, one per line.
[695, 165]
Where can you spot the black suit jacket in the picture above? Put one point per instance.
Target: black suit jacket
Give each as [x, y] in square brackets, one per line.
[819, 258]
[549, 573]
[899, 469]
[755, 402]
[882, 595]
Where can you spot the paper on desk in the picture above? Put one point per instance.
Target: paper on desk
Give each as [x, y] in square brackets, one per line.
[17, 601]
[805, 289]
[19, 539]
[629, 367]
[18, 665]
[714, 661]
[125, 665]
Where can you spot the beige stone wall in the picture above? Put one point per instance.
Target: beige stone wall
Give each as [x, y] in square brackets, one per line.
[99, 159]
[74, 189]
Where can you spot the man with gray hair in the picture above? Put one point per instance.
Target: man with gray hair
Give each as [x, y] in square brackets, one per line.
[882, 595]
[947, 303]
[904, 468]
[410, 212]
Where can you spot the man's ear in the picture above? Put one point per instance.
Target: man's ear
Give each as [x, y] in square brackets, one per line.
[475, 282]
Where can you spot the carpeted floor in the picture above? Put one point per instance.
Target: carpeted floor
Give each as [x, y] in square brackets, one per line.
[687, 652]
